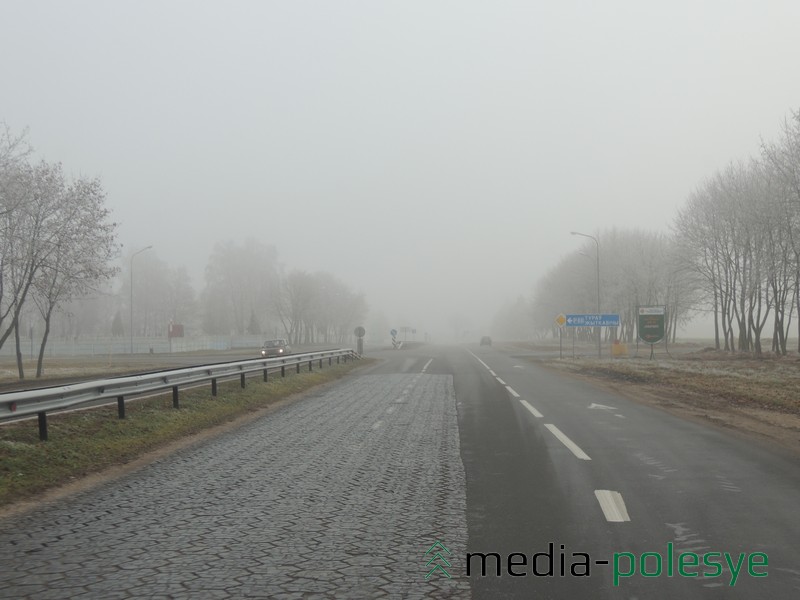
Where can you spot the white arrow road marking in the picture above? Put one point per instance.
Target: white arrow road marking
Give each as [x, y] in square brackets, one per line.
[532, 410]
[620, 416]
[573, 447]
[613, 506]
[518, 367]
[427, 364]
[601, 406]
[500, 381]
[511, 390]
[492, 373]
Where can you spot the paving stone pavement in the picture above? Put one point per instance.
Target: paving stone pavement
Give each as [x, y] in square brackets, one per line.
[338, 495]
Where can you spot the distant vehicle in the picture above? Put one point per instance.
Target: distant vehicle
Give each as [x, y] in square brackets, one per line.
[486, 341]
[275, 348]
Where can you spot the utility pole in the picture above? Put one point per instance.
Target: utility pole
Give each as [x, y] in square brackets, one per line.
[597, 253]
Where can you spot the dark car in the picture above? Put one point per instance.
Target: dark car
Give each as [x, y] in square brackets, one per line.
[486, 341]
[275, 348]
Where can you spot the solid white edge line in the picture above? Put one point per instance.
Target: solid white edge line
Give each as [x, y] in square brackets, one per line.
[427, 364]
[532, 410]
[511, 390]
[613, 506]
[573, 447]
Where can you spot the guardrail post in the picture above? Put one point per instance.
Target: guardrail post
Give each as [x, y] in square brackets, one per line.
[298, 366]
[265, 375]
[213, 387]
[337, 359]
[241, 380]
[283, 370]
[121, 407]
[175, 403]
[320, 363]
[43, 426]
[311, 365]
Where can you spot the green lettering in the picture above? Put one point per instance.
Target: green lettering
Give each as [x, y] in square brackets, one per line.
[643, 564]
[751, 563]
[670, 558]
[712, 563]
[687, 559]
[631, 566]
[734, 570]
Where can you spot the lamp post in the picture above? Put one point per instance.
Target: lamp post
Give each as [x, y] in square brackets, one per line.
[132, 257]
[597, 254]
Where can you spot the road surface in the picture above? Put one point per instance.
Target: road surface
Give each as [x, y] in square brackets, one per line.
[399, 480]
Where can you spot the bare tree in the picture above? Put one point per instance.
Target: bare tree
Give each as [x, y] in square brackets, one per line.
[84, 244]
[240, 283]
[32, 229]
[783, 159]
[294, 301]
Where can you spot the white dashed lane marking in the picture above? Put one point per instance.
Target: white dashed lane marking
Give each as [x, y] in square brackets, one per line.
[573, 447]
[613, 506]
[611, 502]
[532, 410]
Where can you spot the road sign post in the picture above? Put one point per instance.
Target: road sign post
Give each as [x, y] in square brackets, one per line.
[650, 325]
[561, 320]
[590, 320]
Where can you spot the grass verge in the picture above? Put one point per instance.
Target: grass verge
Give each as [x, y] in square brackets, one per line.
[85, 442]
[765, 385]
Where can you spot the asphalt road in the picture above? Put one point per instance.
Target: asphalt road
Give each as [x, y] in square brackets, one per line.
[382, 485]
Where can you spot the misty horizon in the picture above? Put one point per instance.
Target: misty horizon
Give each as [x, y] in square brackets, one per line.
[432, 157]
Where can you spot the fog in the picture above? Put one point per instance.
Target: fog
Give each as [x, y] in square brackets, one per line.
[434, 156]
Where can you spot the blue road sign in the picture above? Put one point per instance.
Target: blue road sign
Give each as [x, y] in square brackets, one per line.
[592, 321]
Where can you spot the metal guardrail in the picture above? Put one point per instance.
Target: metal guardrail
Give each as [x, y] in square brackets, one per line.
[40, 401]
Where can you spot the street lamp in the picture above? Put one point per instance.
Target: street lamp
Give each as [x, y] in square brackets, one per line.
[594, 239]
[132, 257]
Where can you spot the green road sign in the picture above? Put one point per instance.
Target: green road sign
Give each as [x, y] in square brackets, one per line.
[651, 323]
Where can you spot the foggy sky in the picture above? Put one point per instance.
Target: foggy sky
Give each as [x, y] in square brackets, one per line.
[434, 155]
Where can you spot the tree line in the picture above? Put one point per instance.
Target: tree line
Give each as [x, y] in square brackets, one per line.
[246, 291]
[740, 238]
[63, 272]
[637, 268]
[733, 252]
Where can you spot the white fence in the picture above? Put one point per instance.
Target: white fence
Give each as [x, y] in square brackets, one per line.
[141, 345]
